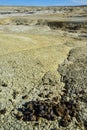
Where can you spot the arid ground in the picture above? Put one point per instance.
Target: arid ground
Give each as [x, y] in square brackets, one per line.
[43, 57]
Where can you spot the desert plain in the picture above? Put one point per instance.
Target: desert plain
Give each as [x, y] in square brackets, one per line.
[43, 62]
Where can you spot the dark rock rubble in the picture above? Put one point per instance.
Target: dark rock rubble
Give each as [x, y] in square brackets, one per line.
[34, 110]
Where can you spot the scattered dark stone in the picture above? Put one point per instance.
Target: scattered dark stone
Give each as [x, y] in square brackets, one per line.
[11, 101]
[4, 84]
[40, 95]
[25, 97]
[45, 89]
[14, 94]
[47, 95]
[3, 111]
[50, 92]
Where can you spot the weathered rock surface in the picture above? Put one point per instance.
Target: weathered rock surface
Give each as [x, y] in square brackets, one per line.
[74, 74]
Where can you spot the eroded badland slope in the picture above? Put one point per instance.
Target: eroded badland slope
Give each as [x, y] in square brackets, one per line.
[43, 73]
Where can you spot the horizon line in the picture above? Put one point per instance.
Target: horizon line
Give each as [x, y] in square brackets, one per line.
[43, 5]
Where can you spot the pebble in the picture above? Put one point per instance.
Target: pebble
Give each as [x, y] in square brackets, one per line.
[25, 97]
[3, 111]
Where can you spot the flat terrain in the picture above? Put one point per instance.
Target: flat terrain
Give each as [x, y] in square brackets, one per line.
[34, 42]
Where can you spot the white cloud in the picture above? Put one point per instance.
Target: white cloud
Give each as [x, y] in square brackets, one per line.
[83, 2]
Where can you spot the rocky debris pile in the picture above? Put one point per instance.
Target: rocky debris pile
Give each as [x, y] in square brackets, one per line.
[50, 110]
[74, 74]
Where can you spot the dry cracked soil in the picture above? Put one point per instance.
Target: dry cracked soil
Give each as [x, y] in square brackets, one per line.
[43, 68]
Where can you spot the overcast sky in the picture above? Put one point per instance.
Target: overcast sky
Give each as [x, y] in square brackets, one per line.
[43, 2]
